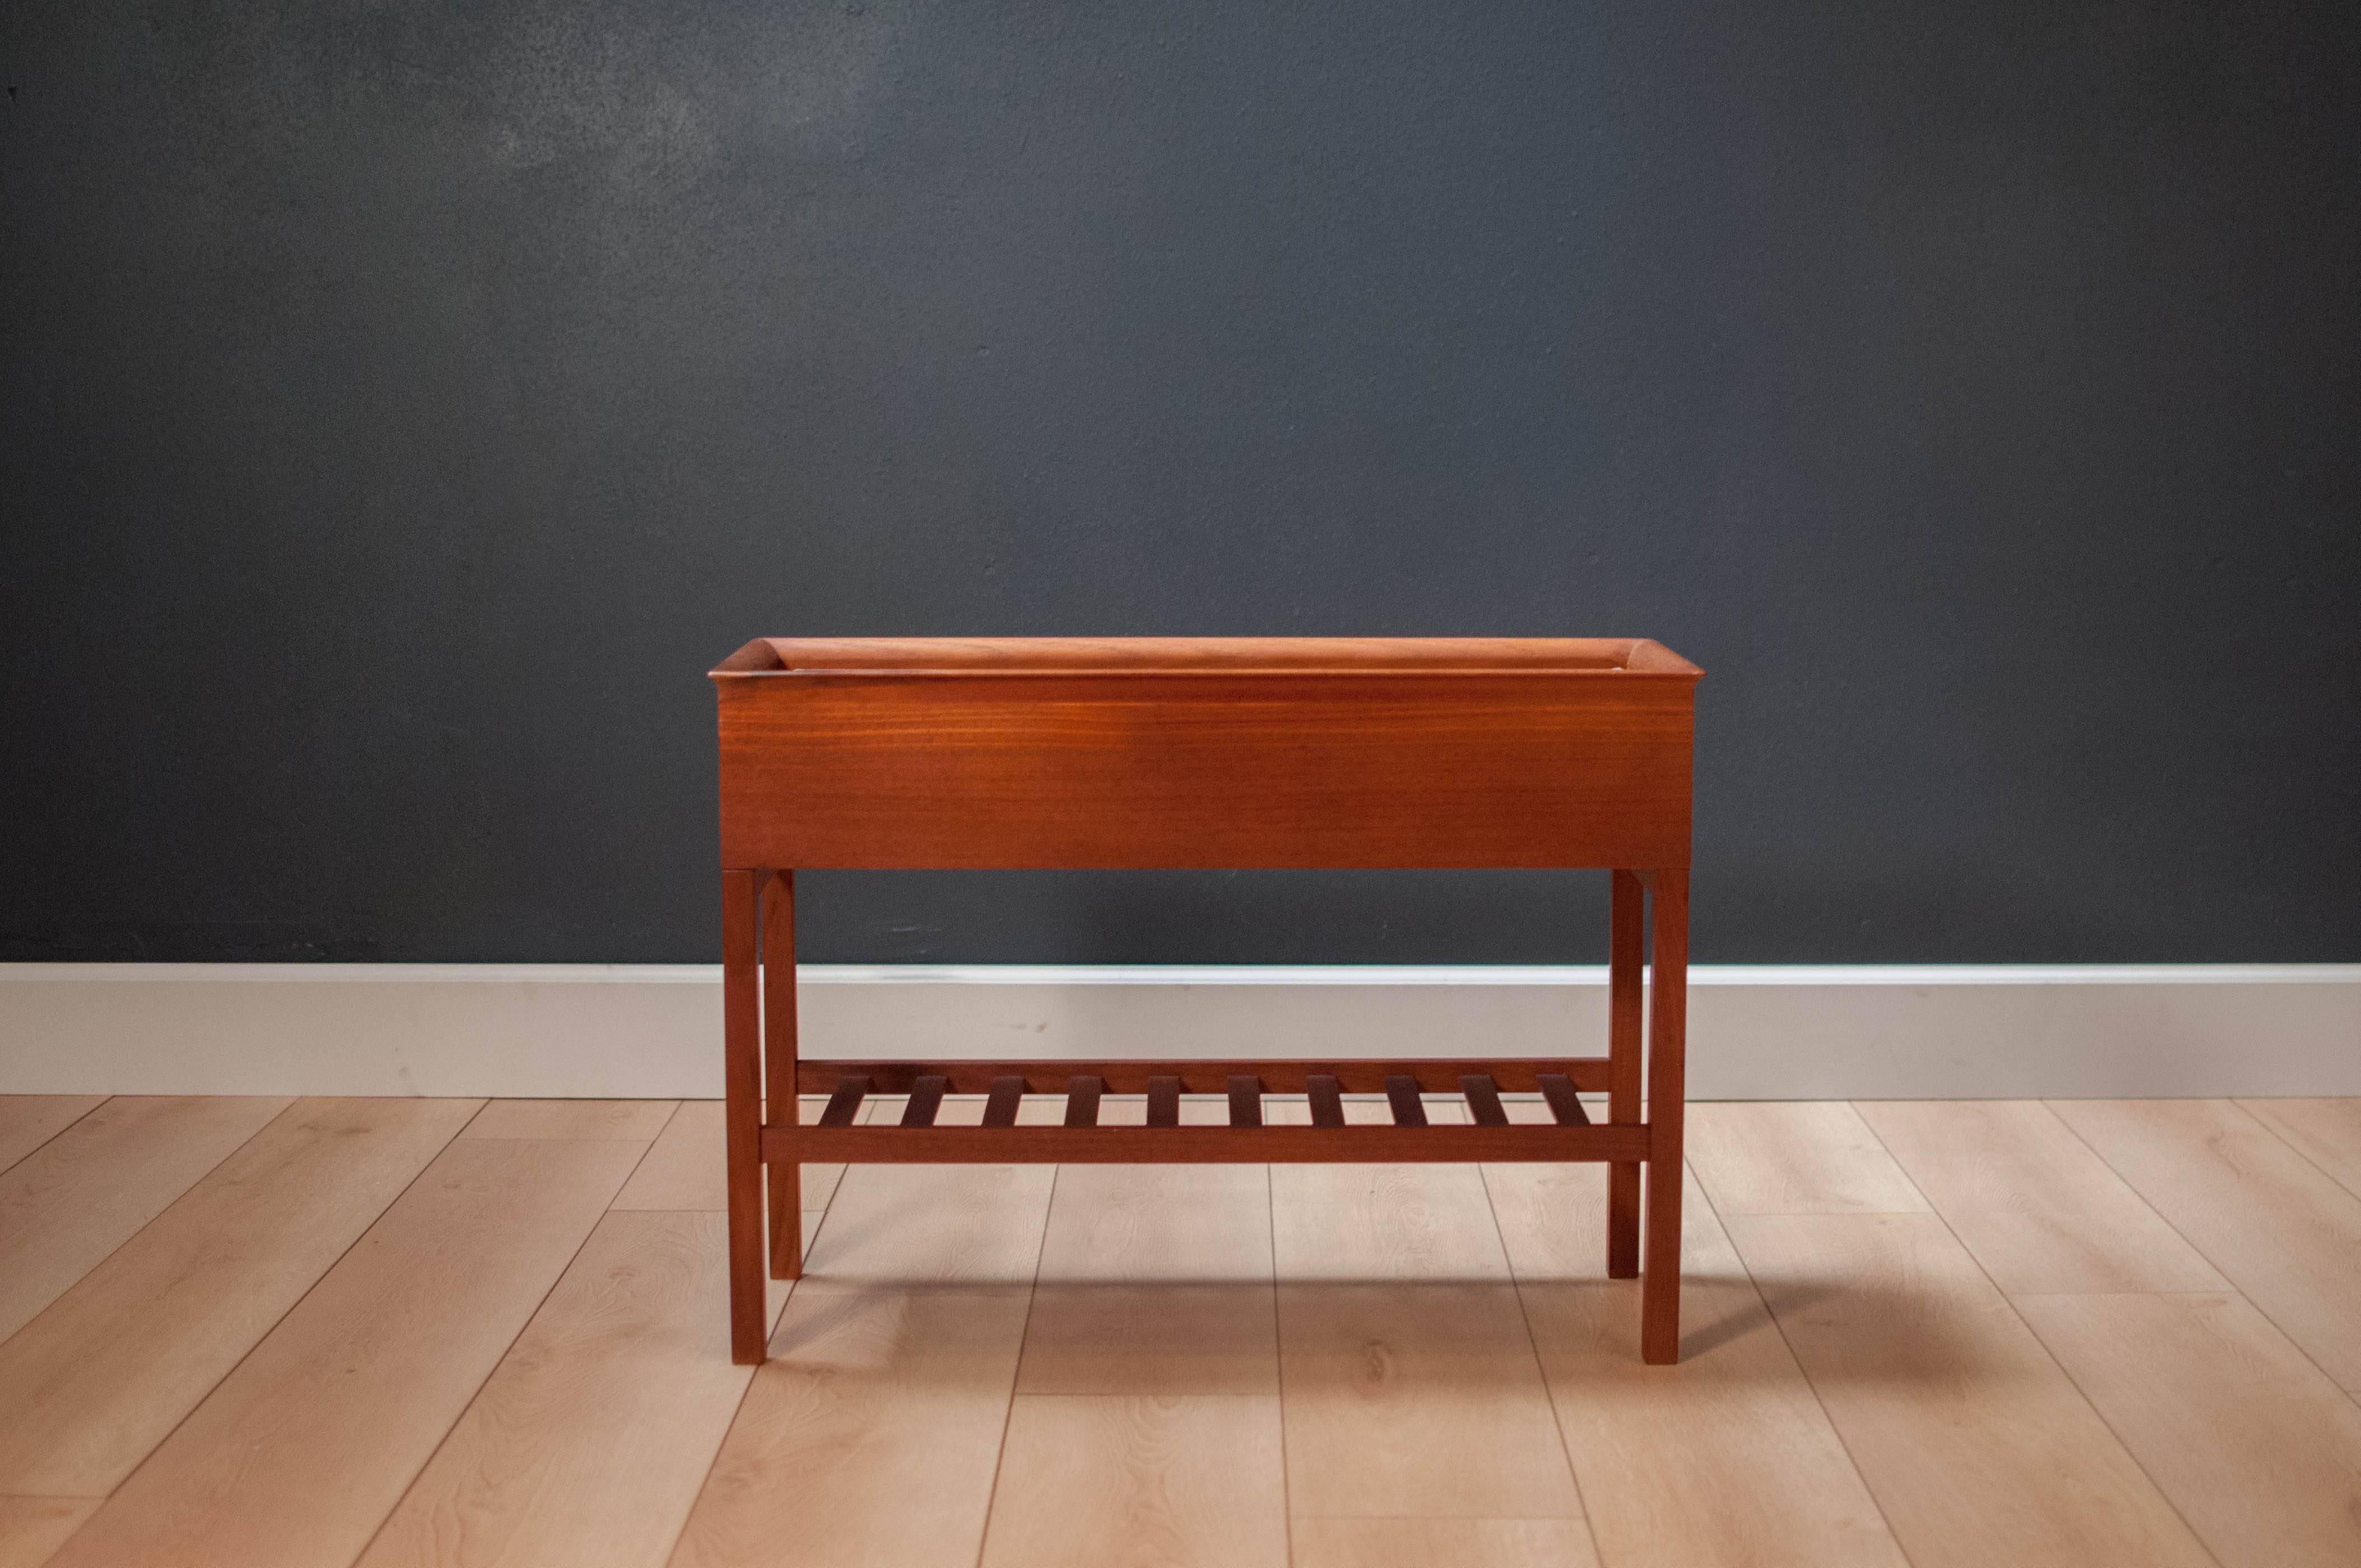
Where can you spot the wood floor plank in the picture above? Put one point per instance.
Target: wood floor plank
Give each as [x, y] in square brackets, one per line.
[1977, 1447]
[1794, 1157]
[32, 1529]
[1443, 1543]
[97, 1381]
[2282, 1230]
[872, 1434]
[1408, 1376]
[634, 1120]
[1155, 1279]
[28, 1120]
[684, 1167]
[79, 1196]
[1726, 1457]
[1093, 1480]
[2258, 1450]
[300, 1453]
[937, 1224]
[588, 1445]
[2038, 1208]
[2325, 1132]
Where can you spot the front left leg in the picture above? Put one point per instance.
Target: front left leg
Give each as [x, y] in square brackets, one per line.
[1660, 1282]
[741, 1077]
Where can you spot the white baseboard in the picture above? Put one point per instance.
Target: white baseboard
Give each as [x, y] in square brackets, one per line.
[653, 1031]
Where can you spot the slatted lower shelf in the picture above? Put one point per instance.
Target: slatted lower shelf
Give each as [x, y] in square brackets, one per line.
[1080, 1140]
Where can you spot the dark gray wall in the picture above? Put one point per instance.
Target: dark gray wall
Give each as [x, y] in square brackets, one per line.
[401, 405]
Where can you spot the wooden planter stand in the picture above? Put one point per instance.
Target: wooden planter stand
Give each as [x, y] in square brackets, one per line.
[1212, 752]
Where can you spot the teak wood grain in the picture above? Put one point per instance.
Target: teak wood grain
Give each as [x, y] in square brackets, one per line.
[1279, 1076]
[1176, 752]
[1504, 753]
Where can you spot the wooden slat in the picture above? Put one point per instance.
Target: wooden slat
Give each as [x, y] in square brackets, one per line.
[1402, 1091]
[1083, 1103]
[1327, 1101]
[1007, 1095]
[926, 1098]
[1245, 1102]
[1558, 1090]
[1173, 1144]
[844, 1105]
[1164, 1101]
[1483, 1100]
[1514, 1075]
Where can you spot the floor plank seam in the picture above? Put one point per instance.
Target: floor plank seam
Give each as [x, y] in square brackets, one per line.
[1819, 1400]
[2235, 1289]
[2071, 1382]
[2272, 1127]
[1016, 1373]
[104, 1101]
[524, 1325]
[1278, 1363]
[2161, 1217]
[672, 1551]
[100, 1262]
[785, 1299]
[1541, 1370]
[244, 1356]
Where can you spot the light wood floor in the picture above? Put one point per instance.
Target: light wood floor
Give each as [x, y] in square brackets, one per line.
[298, 1335]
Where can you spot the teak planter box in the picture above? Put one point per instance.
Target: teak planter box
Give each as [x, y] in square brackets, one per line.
[1217, 753]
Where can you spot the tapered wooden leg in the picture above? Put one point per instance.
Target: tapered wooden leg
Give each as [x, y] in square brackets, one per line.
[1626, 931]
[779, 1071]
[742, 1078]
[1659, 1285]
